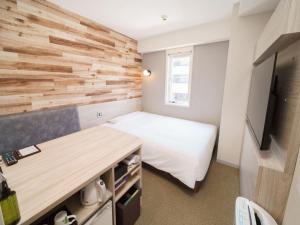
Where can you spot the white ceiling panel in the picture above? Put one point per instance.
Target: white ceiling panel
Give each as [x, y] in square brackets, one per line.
[140, 19]
[250, 7]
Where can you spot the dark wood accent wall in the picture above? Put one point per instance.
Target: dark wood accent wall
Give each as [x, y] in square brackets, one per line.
[50, 57]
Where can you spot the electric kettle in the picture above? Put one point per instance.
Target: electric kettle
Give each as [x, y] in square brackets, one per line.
[93, 193]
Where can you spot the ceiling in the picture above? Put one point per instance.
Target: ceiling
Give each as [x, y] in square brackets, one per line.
[140, 19]
[249, 7]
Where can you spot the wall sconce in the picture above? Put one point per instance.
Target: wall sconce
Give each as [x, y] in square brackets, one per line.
[147, 73]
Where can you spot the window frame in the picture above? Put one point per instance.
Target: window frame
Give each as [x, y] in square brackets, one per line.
[172, 53]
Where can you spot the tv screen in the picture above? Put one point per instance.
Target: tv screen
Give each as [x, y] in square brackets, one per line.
[262, 101]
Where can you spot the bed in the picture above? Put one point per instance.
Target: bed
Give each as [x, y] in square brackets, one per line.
[179, 147]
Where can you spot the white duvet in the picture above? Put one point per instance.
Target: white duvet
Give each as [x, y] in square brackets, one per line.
[182, 148]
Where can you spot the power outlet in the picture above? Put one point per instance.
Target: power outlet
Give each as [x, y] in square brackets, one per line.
[99, 115]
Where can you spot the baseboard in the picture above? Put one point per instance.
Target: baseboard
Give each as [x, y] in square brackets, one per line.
[228, 163]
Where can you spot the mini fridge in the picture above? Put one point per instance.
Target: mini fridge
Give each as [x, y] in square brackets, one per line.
[103, 216]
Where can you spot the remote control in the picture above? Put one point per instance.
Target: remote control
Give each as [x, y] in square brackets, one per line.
[9, 158]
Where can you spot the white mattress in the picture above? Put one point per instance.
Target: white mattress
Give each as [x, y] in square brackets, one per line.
[182, 148]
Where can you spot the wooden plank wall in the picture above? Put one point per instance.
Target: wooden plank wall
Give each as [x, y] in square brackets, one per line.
[50, 57]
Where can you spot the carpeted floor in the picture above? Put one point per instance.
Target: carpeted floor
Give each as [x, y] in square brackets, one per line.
[166, 203]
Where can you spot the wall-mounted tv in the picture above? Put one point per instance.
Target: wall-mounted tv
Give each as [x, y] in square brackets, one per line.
[262, 101]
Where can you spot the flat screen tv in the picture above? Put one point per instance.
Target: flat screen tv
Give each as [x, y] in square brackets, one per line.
[262, 101]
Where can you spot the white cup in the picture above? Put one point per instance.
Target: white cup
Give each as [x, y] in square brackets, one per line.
[62, 218]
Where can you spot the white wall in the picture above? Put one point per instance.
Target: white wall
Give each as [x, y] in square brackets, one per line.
[292, 212]
[249, 166]
[244, 34]
[88, 113]
[206, 90]
[201, 34]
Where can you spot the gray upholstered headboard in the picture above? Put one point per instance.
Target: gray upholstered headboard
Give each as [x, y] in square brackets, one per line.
[26, 129]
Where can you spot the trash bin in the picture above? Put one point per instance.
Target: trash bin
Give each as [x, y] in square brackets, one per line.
[128, 207]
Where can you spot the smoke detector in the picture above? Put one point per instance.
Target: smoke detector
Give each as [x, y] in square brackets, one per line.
[164, 17]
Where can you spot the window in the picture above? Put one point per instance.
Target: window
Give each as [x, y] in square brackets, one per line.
[179, 76]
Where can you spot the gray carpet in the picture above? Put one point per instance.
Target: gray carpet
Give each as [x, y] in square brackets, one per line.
[166, 203]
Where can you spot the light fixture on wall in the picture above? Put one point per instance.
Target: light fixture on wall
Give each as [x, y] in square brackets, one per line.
[147, 73]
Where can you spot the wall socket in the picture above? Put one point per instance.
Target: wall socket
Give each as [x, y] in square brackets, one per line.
[99, 115]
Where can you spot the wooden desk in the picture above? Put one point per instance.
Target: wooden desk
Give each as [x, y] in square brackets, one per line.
[65, 166]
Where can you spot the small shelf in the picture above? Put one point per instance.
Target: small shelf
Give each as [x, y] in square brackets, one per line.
[131, 181]
[83, 213]
[130, 170]
[274, 158]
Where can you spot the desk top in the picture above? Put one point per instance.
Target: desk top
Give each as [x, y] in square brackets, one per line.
[64, 166]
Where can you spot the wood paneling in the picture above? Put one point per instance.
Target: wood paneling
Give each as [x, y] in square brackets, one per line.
[272, 190]
[273, 183]
[50, 57]
[288, 111]
[282, 29]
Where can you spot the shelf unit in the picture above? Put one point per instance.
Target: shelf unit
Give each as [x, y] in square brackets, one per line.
[131, 169]
[125, 187]
[134, 174]
[273, 159]
[83, 213]
[74, 161]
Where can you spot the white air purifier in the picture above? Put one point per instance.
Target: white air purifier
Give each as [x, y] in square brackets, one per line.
[249, 213]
